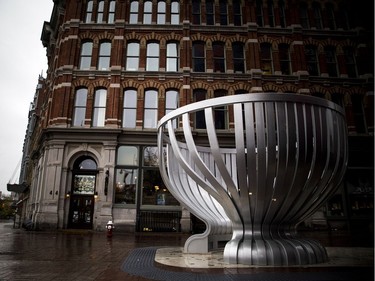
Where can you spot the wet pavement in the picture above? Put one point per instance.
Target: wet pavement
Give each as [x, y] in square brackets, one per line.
[83, 255]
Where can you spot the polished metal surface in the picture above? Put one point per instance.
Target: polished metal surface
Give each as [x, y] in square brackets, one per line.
[288, 157]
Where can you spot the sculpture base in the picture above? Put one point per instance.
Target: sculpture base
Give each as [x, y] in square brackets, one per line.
[275, 252]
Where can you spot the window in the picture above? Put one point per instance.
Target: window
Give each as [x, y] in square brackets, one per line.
[175, 12]
[104, 55]
[238, 57]
[350, 63]
[126, 174]
[196, 11]
[304, 16]
[150, 118]
[317, 16]
[172, 57]
[223, 12]
[200, 120]
[161, 12]
[171, 103]
[218, 56]
[331, 62]
[80, 107]
[132, 56]
[147, 12]
[271, 15]
[359, 114]
[312, 60]
[237, 12]
[259, 12]
[199, 57]
[152, 59]
[111, 11]
[210, 12]
[89, 10]
[86, 54]
[154, 191]
[344, 17]
[129, 109]
[266, 58]
[99, 18]
[282, 13]
[330, 16]
[134, 8]
[284, 57]
[220, 112]
[99, 108]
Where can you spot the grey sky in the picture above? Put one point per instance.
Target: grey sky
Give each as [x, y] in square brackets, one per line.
[22, 59]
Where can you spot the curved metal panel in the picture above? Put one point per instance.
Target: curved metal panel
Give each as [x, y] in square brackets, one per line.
[289, 156]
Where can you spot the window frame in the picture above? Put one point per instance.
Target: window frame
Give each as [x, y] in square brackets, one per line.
[169, 100]
[199, 118]
[223, 10]
[196, 12]
[312, 61]
[175, 14]
[111, 11]
[147, 12]
[89, 11]
[134, 12]
[131, 57]
[199, 60]
[237, 13]
[80, 107]
[332, 67]
[152, 59]
[210, 12]
[99, 108]
[218, 56]
[238, 61]
[104, 57]
[285, 59]
[171, 57]
[266, 60]
[129, 108]
[100, 12]
[150, 106]
[86, 55]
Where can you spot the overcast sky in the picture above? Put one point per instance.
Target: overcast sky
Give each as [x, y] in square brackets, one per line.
[22, 60]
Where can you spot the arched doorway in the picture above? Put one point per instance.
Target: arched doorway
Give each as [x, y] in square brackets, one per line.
[82, 194]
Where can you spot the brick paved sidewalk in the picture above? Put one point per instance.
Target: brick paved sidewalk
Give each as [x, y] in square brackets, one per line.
[83, 255]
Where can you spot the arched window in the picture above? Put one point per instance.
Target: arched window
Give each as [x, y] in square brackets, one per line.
[220, 112]
[172, 56]
[147, 12]
[200, 121]
[100, 103]
[238, 57]
[282, 13]
[134, 9]
[104, 55]
[284, 57]
[175, 12]
[152, 59]
[129, 109]
[99, 17]
[223, 12]
[317, 15]
[79, 111]
[312, 60]
[161, 12]
[132, 56]
[210, 12]
[86, 54]
[218, 50]
[85, 163]
[237, 12]
[196, 11]
[271, 13]
[89, 10]
[266, 61]
[171, 103]
[304, 16]
[150, 117]
[111, 11]
[330, 16]
[331, 61]
[199, 57]
[259, 12]
[351, 67]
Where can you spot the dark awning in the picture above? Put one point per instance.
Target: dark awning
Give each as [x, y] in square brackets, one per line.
[18, 188]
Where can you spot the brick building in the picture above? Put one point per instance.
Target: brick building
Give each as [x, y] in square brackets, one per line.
[116, 67]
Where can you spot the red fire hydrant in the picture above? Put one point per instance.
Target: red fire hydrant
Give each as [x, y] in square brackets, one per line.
[110, 226]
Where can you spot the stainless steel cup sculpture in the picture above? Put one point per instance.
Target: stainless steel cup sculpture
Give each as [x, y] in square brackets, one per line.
[288, 155]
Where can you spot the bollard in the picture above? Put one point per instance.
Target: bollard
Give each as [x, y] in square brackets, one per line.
[110, 226]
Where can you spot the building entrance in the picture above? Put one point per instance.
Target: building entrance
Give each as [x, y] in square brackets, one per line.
[82, 199]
